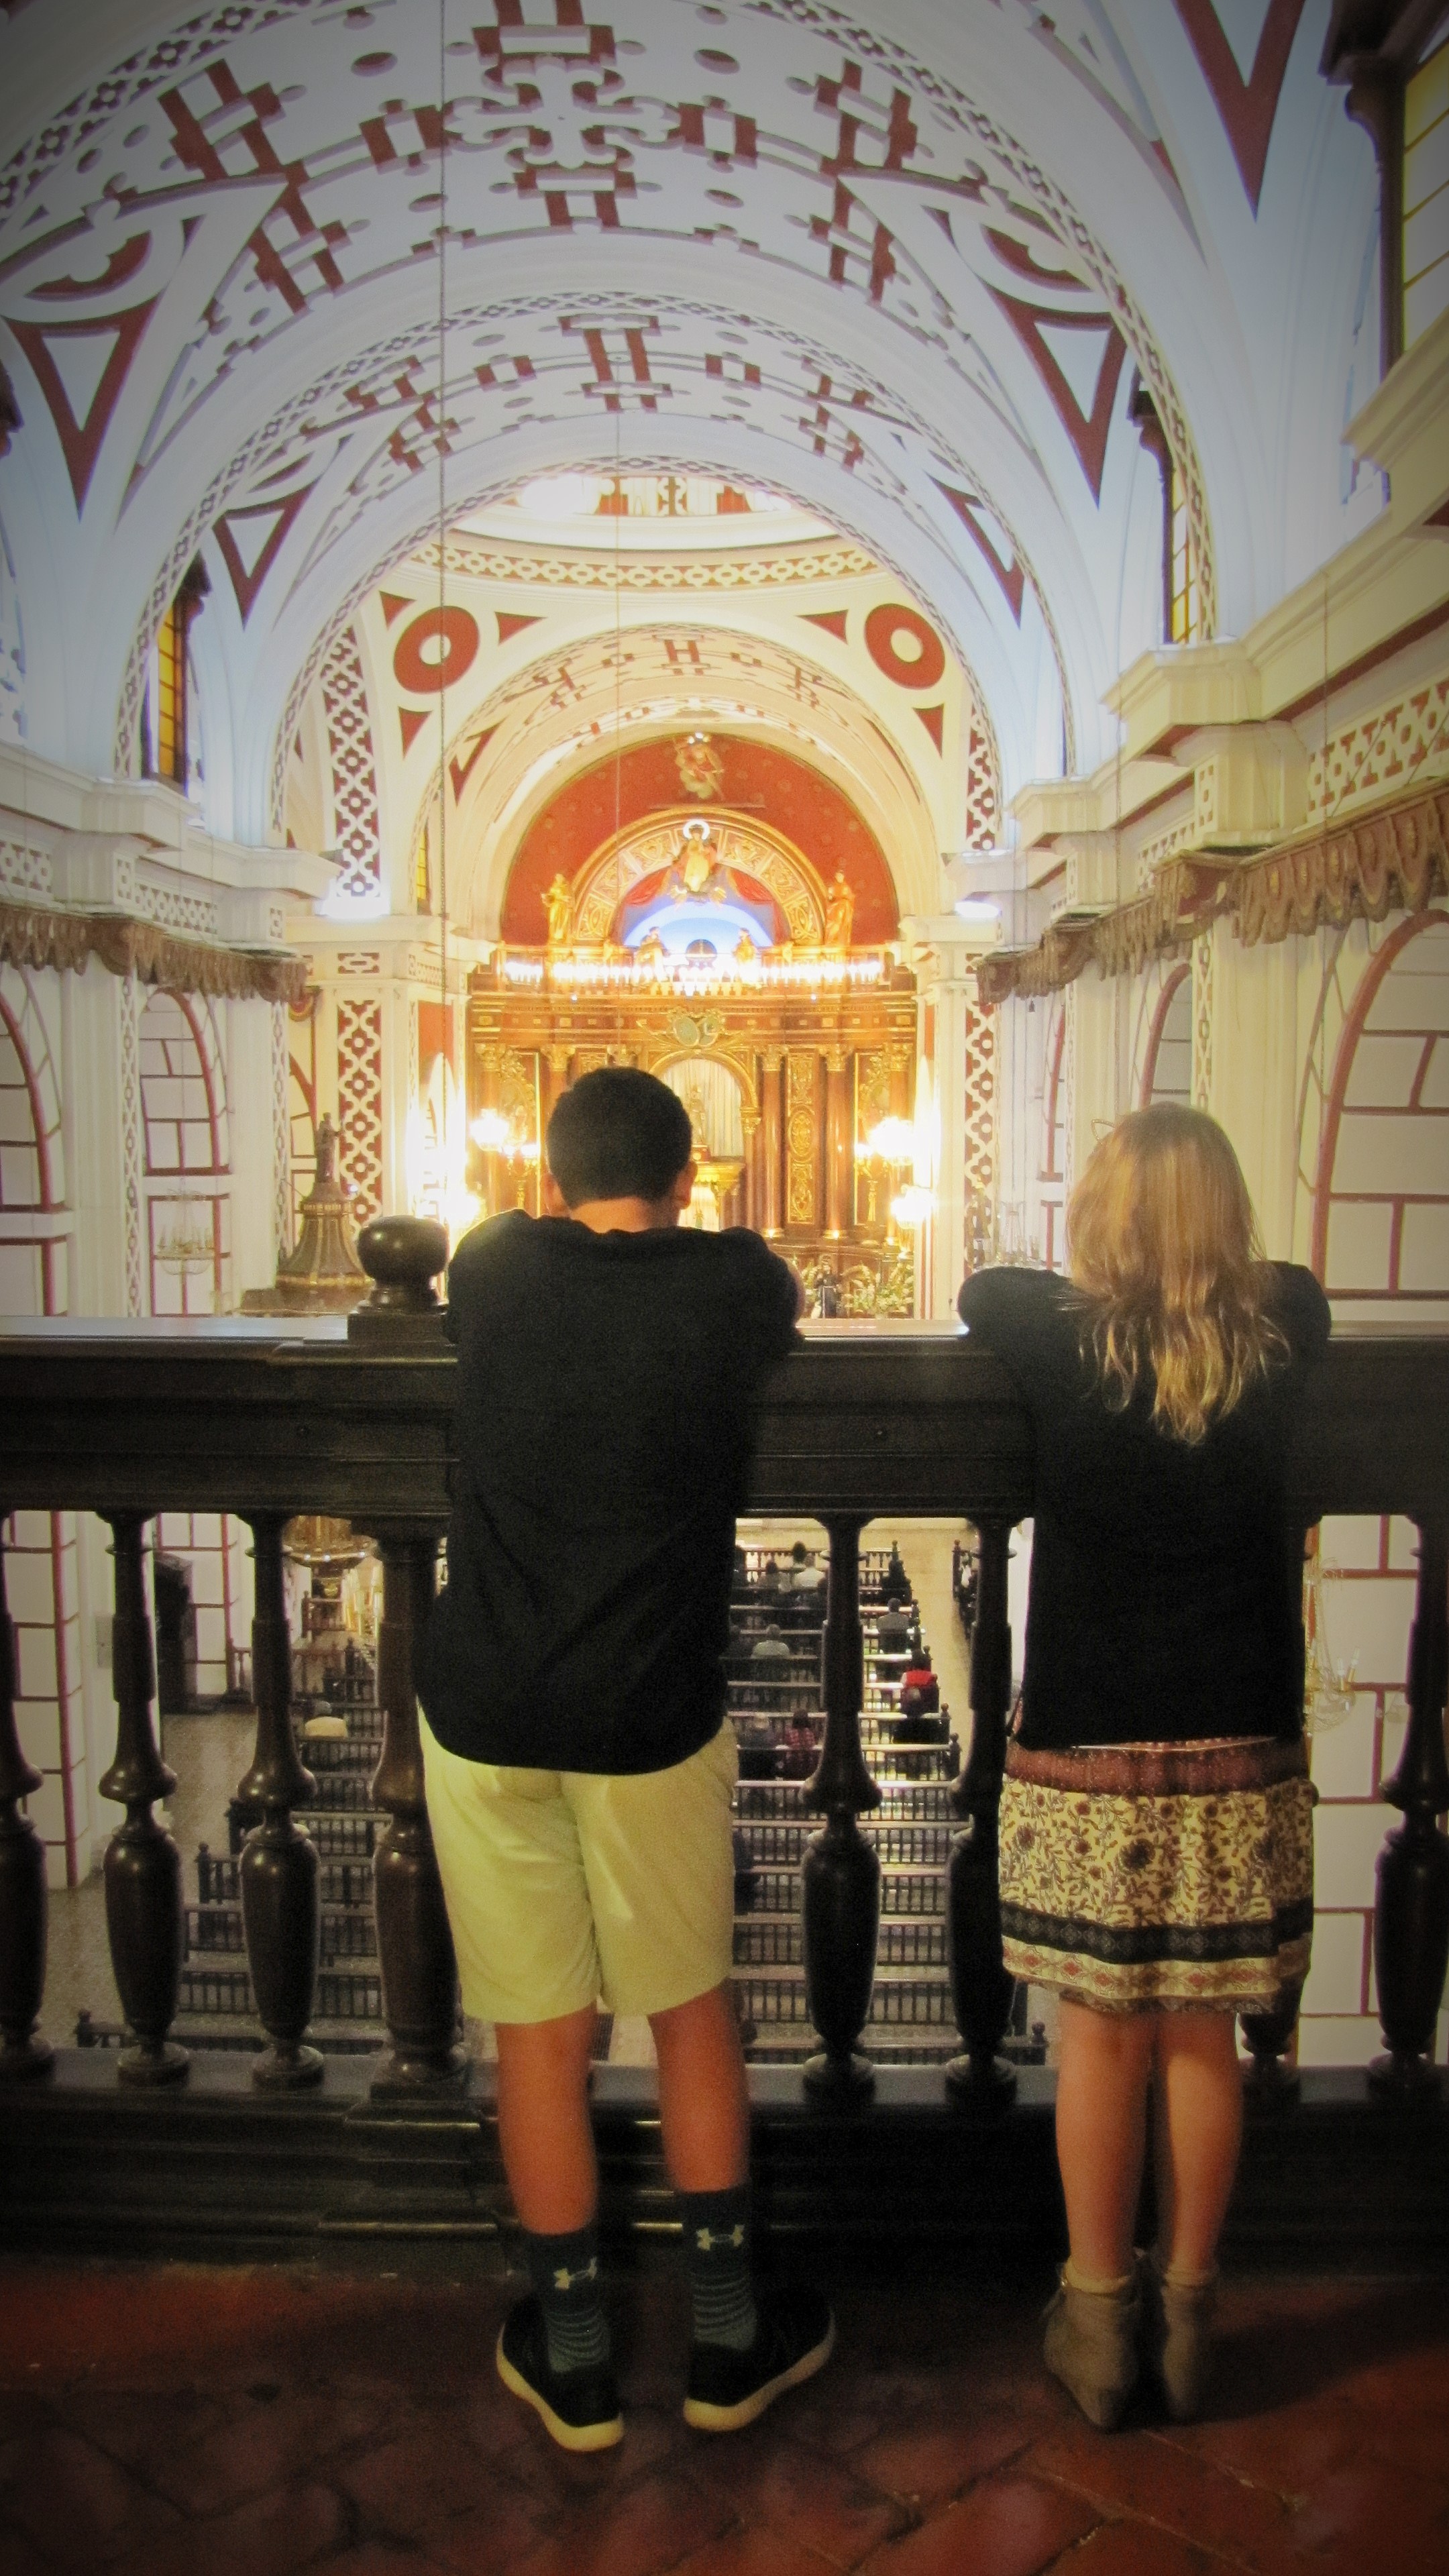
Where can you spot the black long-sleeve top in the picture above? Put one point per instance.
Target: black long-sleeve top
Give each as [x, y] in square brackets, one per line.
[1165, 1578]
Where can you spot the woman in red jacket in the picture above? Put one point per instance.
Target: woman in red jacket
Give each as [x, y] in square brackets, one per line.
[1156, 1828]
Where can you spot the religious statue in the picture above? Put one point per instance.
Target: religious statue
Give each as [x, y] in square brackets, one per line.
[745, 950]
[558, 903]
[651, 951]
[839, 911]
[701, 770]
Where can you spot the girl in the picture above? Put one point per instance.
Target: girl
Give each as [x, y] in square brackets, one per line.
[1156, 1842]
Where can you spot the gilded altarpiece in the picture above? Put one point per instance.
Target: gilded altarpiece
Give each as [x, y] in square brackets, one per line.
[706, 949]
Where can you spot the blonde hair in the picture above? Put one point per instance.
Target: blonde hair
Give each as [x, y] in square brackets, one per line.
[1163, 1247]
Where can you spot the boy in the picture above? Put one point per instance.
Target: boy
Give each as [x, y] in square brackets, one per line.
[579, 1769]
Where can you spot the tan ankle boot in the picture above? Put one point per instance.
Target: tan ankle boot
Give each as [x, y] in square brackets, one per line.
[1091, 2347]
[1180, 2333]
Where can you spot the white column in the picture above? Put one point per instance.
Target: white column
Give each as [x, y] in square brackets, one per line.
[943, 953]
[1256, 1070]
[249, 1076]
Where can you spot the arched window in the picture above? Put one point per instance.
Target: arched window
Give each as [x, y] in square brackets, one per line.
[184, 1123]
[1381, 1207]
[1167, 1064]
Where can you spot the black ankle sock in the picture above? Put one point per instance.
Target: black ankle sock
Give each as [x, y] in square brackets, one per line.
[564, 2271]
[717, 2259]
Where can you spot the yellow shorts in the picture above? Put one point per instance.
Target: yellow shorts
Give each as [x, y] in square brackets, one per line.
[565, 1887]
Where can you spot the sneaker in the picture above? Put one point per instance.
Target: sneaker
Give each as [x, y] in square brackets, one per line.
[580, 2408]
[794, 2338]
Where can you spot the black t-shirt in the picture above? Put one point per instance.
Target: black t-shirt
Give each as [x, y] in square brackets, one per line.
[1166, 1583]
[606, 1386]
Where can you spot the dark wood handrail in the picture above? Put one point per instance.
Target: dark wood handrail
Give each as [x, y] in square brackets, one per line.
[116, 1417]
[356, 1420]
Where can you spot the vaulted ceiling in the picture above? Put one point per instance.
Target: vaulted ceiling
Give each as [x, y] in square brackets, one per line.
[262, 295]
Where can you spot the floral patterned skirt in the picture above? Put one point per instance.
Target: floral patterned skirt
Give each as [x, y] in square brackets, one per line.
[1139, 1878]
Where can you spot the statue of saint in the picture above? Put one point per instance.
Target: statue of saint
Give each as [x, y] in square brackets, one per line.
[558, 903]
[839, 911]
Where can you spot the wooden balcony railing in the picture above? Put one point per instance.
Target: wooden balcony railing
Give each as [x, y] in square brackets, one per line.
[356, 1421]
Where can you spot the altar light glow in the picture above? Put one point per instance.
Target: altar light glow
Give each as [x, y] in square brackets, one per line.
[893, 1140]
[912, 1206]
[491, 1132]
[578, 973]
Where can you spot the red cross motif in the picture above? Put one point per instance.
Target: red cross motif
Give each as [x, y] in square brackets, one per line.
[889, 128]
[819, 425]
[511, 51]
[625, 377]
[208, 139]
[849, 251]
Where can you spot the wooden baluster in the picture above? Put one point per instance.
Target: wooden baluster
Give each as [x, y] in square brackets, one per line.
[1411, 1914]
[22, 1880]
[840, 1873]
[981, 1990]
[279, 1866]
[1269, 2035]
[414, 1943]
[143, 1866]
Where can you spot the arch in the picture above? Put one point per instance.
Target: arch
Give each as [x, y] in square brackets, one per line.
[185, 1140]
[1167, 1058]
[1380, 1236]
[759, 783]
[33, 1252]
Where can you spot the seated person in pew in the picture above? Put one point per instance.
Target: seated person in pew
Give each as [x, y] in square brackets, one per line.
[798, 1748]
[578, 1762]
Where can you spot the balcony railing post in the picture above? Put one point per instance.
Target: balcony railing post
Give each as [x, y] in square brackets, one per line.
[144, 1918]
[22, 1880]
[279, 1866]
[414, 1944]
[1270, 2036]
[981, 1990]
[840, 1871]
[1411, 1915]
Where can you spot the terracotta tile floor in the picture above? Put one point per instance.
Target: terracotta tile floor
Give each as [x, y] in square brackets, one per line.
[189, 2422]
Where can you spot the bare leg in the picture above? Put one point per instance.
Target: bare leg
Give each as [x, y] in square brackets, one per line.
[1197, 2128]
[704, 2103]
[543, 2122]
[1102, 2134]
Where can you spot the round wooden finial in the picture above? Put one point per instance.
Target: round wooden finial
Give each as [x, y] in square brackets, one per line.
[402, 1256]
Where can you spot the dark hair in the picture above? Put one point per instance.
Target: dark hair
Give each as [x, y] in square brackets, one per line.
[618, 1134]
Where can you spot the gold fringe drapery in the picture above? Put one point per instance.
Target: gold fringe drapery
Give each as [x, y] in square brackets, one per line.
[1395, 859]
[33, 935]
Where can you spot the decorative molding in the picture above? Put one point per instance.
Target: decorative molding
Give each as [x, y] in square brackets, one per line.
[1384, 749]
[195, 914]
[31, 935]
[821, 561]
[356, 822]
[1393, 860]
[24, 869]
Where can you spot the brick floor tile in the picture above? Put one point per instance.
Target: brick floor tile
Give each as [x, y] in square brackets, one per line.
[802, 2494]
[78, 2506]
[429, 2472]
[377, 2558]
[1162, 2481]
[19, 2555]
[923, 2464]
[491, 2539]
[1284, 2451]
[1139, 2549]
[264, 2447]
[754, 2553]
[1411, 2439]
[648, 2527]
[1367, 2514]
[140, 2430]
[558, 2478]
[271, 2536]
[1011, 2526]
